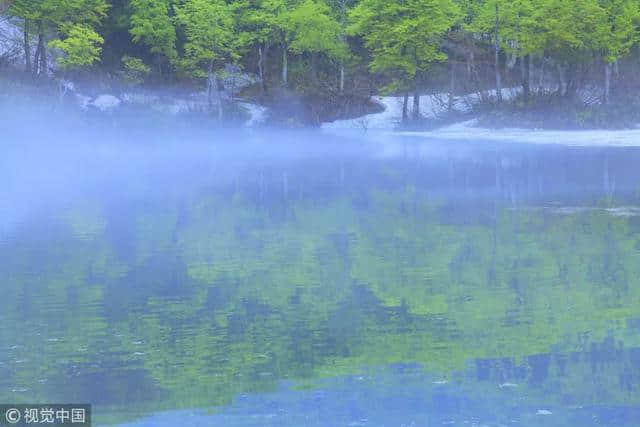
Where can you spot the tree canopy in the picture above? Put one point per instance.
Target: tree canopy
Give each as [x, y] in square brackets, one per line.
[397, 44]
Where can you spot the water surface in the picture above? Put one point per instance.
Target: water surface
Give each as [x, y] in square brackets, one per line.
[296, 281]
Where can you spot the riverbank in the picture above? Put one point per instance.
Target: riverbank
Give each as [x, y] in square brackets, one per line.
[544, 110]
[548, 110]
[246, 103]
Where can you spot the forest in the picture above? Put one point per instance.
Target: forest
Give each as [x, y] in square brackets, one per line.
[579, 51]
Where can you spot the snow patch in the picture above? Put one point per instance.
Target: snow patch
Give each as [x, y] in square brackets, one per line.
[467, 131]
[430, 107]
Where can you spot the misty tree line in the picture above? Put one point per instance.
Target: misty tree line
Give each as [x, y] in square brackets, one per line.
[337, 44]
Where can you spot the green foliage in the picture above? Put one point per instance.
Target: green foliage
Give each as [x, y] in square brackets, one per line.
[151, 26]
[311, 28]
[135, 70]
[58, 12]
[399, 40]
[72, 23]
[618, 28]
[404, 37]
[209, 29]
[570, 31]
[258, 20]
[81, 46]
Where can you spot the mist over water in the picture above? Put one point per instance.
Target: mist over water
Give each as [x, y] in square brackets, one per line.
[171, 273]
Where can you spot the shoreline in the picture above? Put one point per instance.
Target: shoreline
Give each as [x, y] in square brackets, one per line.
[469, 118]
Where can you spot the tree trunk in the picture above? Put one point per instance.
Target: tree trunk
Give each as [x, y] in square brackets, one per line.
[285, 66]
[210, 88]
[213, 92]
[43, 53]
[607, 82]
[416, 104]
[263, 51]
[526, 87]
[573, 80]
[471, 80]
[498, 76]
[27, 47]
[497, 56]
[541, 82]
[405, 107]
[219, 97]
[260, 60]
[343, 25]
[265, 57]
[452, 88]
[36, 60]
[530, 73]
[314, 68]
[561, 81]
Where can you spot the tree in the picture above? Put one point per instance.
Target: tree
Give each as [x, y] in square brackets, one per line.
[151, 26]
[495, 17]
[341, 8]
[312, 30]
[618, 33]
[257, 25]
[404, 38]
[209, 27]
[281, 10]
[53, 18]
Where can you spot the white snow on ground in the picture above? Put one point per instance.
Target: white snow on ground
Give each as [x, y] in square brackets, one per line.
[430, 106]
[385, 122]
[580, 138]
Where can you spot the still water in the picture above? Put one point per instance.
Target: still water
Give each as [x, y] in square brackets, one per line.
[343, 283]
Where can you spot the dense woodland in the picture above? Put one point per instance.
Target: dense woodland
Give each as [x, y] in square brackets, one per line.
[567, 48]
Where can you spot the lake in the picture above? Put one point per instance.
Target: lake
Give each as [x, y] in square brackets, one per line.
[313, 280]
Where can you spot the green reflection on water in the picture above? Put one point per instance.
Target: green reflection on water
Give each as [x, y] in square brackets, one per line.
[189, 302]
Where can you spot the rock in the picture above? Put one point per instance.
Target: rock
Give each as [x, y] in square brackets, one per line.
[106, 102]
